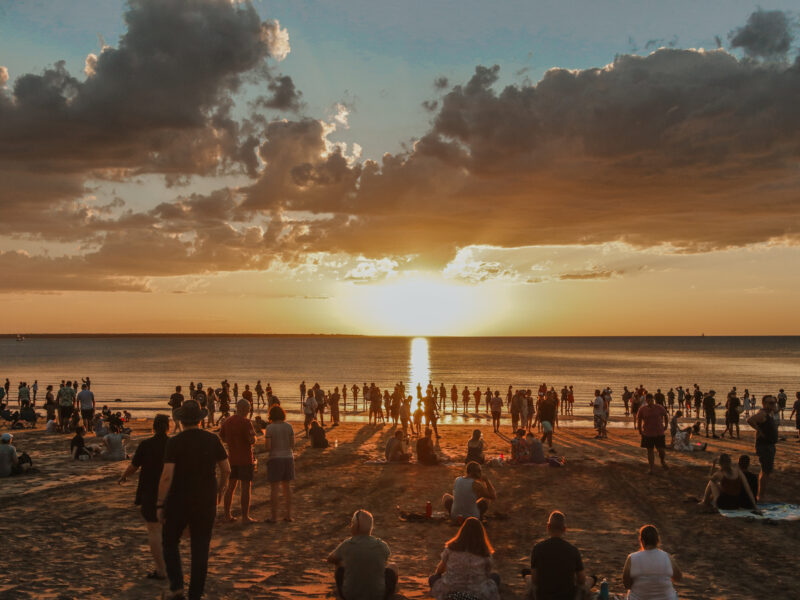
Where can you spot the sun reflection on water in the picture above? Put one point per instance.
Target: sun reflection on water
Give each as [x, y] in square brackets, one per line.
[419, 366]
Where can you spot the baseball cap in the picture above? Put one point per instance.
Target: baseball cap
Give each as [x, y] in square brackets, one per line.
[7, 437]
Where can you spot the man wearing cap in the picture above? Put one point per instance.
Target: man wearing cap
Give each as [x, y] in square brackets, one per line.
[188, 494]
[9, 463]
[238, 433]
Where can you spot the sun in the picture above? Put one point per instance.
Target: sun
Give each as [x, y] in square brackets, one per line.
[416, 306]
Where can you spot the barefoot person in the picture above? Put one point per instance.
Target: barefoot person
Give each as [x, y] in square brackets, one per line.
[724, 489]
[466, 566]
[238, 434]
[279, 442]
[651, 421]
[556, 565]
[149, 457]
[362, 572]
[766, 426]
[650, 572]
[188, 494]
[471, 494]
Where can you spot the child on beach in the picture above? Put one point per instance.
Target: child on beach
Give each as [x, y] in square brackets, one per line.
[417, 424]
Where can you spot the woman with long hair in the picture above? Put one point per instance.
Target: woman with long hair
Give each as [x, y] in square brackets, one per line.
[724, 489]
[466, 565]
[650, 572]
[279, 442]
[475, 447]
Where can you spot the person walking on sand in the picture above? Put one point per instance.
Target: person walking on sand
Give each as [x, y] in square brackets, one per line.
[238, 434]
[556, 570]
[188, 495]
[149, 457]
[651, 421]
[548, 417]
[362, 571]
[766, 426]
[175, 403]
[279, 443]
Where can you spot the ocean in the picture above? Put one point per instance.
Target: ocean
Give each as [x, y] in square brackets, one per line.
[139, 373]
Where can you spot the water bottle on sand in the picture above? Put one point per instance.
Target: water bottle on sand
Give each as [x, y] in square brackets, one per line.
[428, 509]
[603, 590]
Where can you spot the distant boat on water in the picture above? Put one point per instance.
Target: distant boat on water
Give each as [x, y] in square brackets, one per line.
[20, 338]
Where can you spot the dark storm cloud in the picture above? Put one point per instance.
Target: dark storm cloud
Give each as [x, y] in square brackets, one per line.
[767, 34]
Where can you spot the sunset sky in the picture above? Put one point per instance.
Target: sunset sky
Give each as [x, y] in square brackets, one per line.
[411, 168]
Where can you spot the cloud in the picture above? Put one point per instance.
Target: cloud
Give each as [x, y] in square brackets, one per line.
[441, 82]
[368, 271]
[590, 275]
[277, 39]
[285, 96]
[3, 76]
[767, 34]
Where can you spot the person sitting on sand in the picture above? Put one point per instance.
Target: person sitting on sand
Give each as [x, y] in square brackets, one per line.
[27, 416]
[556, 567]
[466, 565]
[471, 494]
[149, 457]
[9, 461]
[362, 572]
[396, 449]
[99, 427]
[475, 448]
[682, 440]
[115, 445]
[51, 426]
[77, 446]
[536, 450]
[752, 479]
[317, 435]
[650, 572]
[725, 487]
[426, 454]
[520, 450]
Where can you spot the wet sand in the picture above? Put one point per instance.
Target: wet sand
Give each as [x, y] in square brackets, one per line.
[70, 531]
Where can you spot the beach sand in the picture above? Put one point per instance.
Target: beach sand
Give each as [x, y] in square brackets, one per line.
[70, 531]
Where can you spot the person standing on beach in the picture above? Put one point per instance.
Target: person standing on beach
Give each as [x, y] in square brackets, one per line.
[87, 406]
[796, 413]
[302, 393]
[238, 434]
[766, 426]
[334, 404]
[248, 395]
[188, 495]
[259, 393]
[309, 410]
[477, 395]
[279, 442]
[175, 403]
[651, 421]
[497, 409]
[66, 404]
[465, 399]
[710, 410]
[548, 417]
[149, 457]
[355, 389]
[344, 397]
[201, 398]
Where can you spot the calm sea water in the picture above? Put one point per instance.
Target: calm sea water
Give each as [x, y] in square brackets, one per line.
[142, 371]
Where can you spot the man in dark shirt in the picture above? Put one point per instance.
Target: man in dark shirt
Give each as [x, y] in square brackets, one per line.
[188, 494]
[766, 426]
[149, 457]
[175, 402]
[710, 409]
[426, 455]
[752, 480]
[556, 566]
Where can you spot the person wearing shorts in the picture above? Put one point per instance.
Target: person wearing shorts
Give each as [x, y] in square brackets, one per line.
[279, 443]
[766, 425]
[651, 421]
[238, 433]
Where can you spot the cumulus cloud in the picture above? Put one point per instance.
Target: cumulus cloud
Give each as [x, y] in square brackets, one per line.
[284, 95]
[3, 76]
[368, 271]
[767, 34]
[277, 39]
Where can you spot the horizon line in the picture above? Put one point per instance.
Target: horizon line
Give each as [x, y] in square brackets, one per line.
[364, 335]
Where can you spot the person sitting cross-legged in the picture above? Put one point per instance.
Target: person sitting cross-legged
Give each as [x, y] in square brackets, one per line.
[471, 495]
[362, 572]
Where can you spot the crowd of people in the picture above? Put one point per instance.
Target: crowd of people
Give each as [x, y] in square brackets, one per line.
[184, 477]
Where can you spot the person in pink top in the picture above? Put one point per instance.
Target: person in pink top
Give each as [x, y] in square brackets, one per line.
[651, 421]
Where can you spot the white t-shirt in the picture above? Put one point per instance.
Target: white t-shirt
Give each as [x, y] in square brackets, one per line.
[310, 406]
[598, 407]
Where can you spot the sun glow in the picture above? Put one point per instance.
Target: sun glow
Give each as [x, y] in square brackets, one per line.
[419, 366]
[419, 306]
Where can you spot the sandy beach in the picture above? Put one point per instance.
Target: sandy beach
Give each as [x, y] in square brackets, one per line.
[70, 531]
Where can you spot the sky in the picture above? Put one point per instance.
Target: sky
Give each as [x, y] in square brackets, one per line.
[384, 168]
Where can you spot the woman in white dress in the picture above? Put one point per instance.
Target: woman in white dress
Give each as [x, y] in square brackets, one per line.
[650, 572]
[466, 565]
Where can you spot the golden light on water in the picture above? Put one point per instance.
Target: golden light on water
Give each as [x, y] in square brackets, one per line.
[419, 366]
